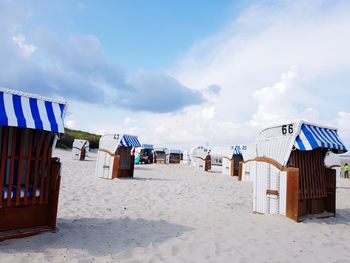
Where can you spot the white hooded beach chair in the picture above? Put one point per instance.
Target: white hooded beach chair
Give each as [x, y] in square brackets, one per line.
[198, 155]
[289, 172]
[80, 149]
[115, 158]
[230, 160]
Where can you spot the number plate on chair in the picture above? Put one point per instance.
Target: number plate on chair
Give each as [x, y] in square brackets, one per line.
[287, 129]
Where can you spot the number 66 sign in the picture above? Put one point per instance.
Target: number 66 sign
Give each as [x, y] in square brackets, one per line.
[287, 129]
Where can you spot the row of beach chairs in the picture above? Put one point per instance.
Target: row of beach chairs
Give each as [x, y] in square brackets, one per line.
[287, 169]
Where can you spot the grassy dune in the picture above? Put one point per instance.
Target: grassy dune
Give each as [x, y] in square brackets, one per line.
[67, 139]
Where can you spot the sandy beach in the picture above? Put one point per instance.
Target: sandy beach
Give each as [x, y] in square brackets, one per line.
[171, 213]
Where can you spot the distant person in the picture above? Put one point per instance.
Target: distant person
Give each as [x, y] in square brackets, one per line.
[346, 170]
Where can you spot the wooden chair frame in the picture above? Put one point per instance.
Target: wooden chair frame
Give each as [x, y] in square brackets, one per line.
[118, 170]
[174, 158]
[295, 202]
[206, 162]
[29, 182]
[234, 160]
[157, 159]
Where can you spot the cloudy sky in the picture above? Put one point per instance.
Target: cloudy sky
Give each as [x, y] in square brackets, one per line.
[180, 73]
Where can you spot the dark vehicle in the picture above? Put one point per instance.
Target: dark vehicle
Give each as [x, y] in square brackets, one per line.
[146, 154]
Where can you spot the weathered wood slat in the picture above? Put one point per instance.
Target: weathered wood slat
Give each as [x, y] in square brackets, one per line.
[4, 147]
[48, 177]
[44, 166]
[315, 176]
[36, 165]
[12, 166]
[29, 160]
[20, 167]
[311, 173]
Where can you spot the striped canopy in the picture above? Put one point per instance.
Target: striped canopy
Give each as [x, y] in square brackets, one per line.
[313, 137]
[237, 150]
[23, 110]
[129, 141]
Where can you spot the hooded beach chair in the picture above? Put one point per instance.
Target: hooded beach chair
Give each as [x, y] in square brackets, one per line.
[115, 158]
[29, 176]
[289, 172]
[230, 160]
[159, 155]
[173, 156]
[80, 148]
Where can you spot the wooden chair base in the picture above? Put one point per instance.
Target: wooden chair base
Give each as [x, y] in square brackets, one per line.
[24, 232]
[124, 174]
[22, 221]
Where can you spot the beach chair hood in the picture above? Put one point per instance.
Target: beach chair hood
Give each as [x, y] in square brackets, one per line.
[23, 110]
[279, 141]
[111, 142]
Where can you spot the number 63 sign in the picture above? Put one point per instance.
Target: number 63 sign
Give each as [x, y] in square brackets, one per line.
[287, 129]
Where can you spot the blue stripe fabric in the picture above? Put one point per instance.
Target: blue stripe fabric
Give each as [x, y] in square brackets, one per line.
[300, 144]
[62, 109]
[51, 116]
[35, 113]
[238, 150]
[312, 137]
[3, 117]
[335, 136]
[322, 137]
[17, 105]
[12, 194]
[28, 111]
[129, 141]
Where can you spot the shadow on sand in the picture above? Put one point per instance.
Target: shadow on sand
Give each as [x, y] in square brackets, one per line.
[145, 179]
[98, 236]
[342, 217]
[143, 168]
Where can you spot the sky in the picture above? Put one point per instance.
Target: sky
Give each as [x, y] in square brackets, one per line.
[182, 73]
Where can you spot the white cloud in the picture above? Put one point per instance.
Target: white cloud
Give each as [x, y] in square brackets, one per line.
[26, 49]
[128, 121]
[286, 100]
[71, 124]
[275, 104]
[208, 113]
[343, 123]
